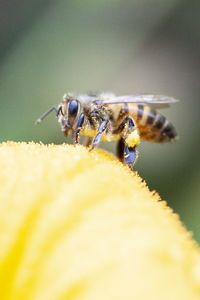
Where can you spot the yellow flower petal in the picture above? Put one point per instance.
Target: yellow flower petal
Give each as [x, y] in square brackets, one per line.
[80, 225]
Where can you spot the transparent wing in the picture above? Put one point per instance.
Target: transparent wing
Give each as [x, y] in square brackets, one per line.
[150, 99]
[87, 98]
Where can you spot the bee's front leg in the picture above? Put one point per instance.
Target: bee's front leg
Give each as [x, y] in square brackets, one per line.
[78, 128]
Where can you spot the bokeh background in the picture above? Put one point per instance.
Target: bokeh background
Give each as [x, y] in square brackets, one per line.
[124, 46]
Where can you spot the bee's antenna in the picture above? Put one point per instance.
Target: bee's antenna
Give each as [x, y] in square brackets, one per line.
[46, 113]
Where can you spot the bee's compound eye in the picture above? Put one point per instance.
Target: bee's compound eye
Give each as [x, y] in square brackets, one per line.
[73, 107]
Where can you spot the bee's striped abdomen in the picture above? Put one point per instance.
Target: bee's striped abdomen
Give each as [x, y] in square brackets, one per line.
[167, 132]
[152, 125]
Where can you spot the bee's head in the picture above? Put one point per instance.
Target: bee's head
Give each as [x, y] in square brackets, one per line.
[70, 110]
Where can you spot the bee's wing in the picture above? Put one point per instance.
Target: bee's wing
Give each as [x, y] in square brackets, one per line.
[150, 99]
[87, 98]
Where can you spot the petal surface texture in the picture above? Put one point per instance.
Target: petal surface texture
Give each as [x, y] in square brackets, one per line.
[79, 225]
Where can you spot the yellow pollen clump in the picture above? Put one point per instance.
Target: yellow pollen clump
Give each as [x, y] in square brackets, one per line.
[79, 225]
[133, 139]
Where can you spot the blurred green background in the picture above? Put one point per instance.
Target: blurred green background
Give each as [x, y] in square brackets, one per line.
[122, 46]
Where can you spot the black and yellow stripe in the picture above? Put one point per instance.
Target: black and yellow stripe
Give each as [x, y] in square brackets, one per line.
[152, 125]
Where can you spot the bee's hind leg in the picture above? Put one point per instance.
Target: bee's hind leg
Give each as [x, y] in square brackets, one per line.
[126, 154]
[130, 155]
[120, 149]
[126, 148]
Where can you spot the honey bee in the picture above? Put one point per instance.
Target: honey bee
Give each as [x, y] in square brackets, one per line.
[106, 117]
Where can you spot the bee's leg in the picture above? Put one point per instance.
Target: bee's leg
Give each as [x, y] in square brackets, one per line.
[126, 125]
[98, 137]
[87, 141]
[78, 128]
[48, 112]
[130, 155]
[129, 142]
[120, 149]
